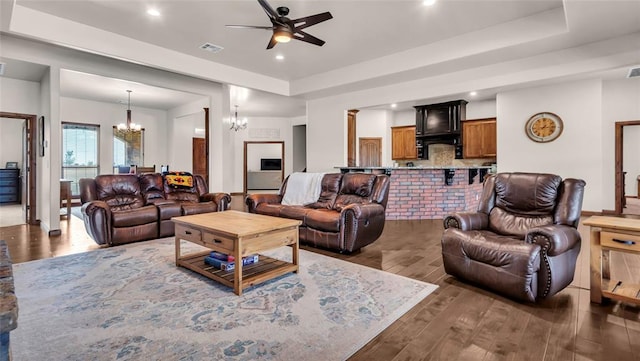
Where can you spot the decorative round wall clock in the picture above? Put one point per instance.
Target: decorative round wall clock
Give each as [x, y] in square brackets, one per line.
[544, 127]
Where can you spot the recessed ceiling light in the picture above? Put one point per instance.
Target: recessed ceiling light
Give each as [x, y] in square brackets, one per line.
[153, 12]
[473, 94]
[394, 105]
[280, 57]
[428, 2]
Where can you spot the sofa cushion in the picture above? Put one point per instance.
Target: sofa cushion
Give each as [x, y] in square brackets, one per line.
[295, 212]
[269, 209]
[189, 208]
[329, 191]
[120, 191]
[503, 222]
[151, 187]
[323, 219]
[356, 188]
[525, 193]
[135, 217]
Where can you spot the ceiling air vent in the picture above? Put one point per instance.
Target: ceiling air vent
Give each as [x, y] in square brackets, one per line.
[633, 72]
[2, 68]
[211, 47]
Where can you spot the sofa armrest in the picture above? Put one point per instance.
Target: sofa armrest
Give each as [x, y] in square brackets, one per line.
[361, 224]
[467, 221]
[97, 221]
[555, 239]
[253, 200]
[222, 200]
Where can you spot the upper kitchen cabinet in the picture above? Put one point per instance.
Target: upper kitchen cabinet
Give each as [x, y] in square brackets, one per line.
[440, 119]
[403, 142]
[479, 138]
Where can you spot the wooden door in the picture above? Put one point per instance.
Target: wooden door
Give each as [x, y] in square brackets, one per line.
[199, 163]
[370, 152]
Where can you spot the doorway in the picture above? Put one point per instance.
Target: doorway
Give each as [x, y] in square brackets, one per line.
[27, 175]
[624, 180]
[263, 166]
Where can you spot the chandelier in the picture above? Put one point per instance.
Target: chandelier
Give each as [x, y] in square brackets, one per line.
[129, 126]
[238, 124]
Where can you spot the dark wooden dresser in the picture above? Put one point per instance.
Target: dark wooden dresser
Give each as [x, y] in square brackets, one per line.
[10, 186]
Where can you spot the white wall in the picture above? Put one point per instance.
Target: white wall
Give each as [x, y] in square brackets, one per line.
[108, 115]
[375, 124]
[481, 109]
[577, 153]
[404, 117]
[19, 96]
[620, 102]
[11, 147]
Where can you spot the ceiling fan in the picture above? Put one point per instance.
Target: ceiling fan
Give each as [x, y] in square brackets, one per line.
[285, 29]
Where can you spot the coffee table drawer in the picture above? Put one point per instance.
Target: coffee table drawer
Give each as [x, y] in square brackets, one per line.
[218, 242]
[188, 234]
[629, 242]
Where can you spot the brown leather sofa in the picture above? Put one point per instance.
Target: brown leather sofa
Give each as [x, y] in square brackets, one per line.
[523, 241]
[349, 214]
[124, 208]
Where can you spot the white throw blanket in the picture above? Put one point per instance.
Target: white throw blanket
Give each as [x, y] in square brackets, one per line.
[302, 188]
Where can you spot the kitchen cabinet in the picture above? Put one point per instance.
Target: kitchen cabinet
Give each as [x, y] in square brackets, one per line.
[403, 142]
[440, 119]
[479, 138]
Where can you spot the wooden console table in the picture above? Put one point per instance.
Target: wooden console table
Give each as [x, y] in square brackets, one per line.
[612, 234]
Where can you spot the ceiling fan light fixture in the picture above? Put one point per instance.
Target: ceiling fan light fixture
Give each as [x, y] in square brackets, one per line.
[282, 35]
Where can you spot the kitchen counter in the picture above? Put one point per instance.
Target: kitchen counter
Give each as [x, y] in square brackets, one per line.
[418, 167]
[430, 192]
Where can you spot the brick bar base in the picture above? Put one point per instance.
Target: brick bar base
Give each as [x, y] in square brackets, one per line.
[422, 194]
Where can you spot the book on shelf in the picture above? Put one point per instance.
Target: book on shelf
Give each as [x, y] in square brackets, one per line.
[230, 266]
[222, 256]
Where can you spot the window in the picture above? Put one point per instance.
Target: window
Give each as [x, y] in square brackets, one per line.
[79, 153]
[128, 148]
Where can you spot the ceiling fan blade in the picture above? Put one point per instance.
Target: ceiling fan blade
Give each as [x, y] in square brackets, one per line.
[272, 42]
[268, 9]
[311, 20]
[250, 27]
[306, 37]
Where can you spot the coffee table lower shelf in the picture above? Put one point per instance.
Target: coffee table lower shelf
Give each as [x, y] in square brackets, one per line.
[267, 268]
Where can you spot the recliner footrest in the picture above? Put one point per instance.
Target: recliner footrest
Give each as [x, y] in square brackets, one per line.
[499, 263]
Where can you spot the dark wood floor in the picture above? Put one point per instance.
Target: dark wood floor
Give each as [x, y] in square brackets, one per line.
[458, 321]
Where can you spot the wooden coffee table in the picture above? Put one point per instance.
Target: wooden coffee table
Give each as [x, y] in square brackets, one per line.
[238, 234]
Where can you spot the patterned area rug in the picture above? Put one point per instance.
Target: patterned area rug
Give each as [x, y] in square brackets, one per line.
[132, 303]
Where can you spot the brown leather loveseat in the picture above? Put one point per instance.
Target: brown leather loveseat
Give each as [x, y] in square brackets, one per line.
[349, 214]
[124, 208]
[523, 241]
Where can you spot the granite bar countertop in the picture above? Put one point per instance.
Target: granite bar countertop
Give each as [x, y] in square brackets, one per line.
[420, 167]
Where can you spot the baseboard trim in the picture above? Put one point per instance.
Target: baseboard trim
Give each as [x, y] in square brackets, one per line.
[236, 194]
[55, 232]
[590, 213]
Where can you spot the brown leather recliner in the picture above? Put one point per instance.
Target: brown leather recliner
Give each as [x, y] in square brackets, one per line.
[349, 214]
[523, 241]
[125, 208]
